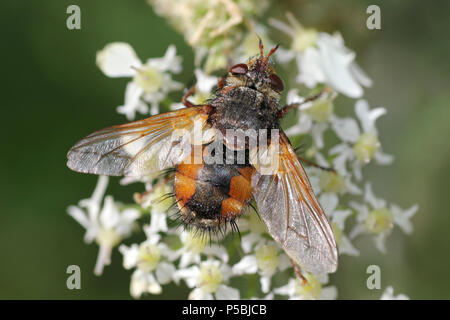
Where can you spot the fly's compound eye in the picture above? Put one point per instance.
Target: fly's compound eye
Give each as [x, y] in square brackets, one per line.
[239, 69]
[276, 83]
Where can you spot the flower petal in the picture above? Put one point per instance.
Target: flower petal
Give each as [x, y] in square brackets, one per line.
[130, 255]
[329, 202]
[133, 102]
[189, 275]
[170, 62]
[217, 251]
[336, 60]
[199, 294]
[109, 216]
[339, 217]
[380, 241]
[383, 158]
[142, 282]
[227, 293]
[401, 217]
[117, 60]
[317, 133]
[347, 247]
[368, 116]
[328, 293]
[248, 264]
[371, 199]
[310, 68]
[388, 294]
[204, 82]
[345, 128]
[164, 272]
[286, 290]
[265, 283]
[79, 216]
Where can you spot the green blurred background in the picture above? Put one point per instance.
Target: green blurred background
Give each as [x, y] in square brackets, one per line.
[53, 94]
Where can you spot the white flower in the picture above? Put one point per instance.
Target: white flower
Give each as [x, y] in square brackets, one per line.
[324, 181]
[269, 296]
[152, 262]
[378, 219]
[313, 115]
[312, 289]
[329, 202]
[333, 65]
[302, 38]
[118, 59]
[107, 226]
[202, 21]
[388, 294]
[266, 261]
[152, 81]
[323, 59]
[133, 101]
[402, 217]
[194, 246]
[358, 147]
[208, 280]
[262, 256]
[204, 82]
[203, 87]
[253, 230]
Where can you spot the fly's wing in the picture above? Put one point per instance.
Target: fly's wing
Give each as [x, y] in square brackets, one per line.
[293, 215]
[141, 147]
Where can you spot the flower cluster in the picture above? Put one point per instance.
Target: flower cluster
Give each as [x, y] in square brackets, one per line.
[212, 27]
[151, 82]
[219, 31]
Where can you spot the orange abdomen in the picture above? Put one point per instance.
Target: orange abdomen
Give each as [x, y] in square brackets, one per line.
[209, 195]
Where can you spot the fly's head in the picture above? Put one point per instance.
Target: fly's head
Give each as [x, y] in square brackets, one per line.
[257, 74]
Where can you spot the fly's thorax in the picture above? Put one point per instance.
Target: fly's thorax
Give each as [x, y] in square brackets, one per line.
[243, 108]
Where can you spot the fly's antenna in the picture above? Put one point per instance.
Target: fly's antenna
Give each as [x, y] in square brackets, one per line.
[261, 50]
[264, 60]
[270, 53]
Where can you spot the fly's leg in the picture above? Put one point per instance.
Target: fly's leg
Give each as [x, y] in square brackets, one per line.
[206, 107]
[220, 83]
[313, 164]
[283, 111]
[299, 273]
[140, 197]
[185, 100]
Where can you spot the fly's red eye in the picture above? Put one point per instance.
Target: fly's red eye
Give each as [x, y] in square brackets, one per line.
[239, 69]
[276, 83]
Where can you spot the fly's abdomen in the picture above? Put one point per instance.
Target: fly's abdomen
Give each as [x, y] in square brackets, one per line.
[210, 195]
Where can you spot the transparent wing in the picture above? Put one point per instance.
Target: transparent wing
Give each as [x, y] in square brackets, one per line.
[293, 215]
[138, 148]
